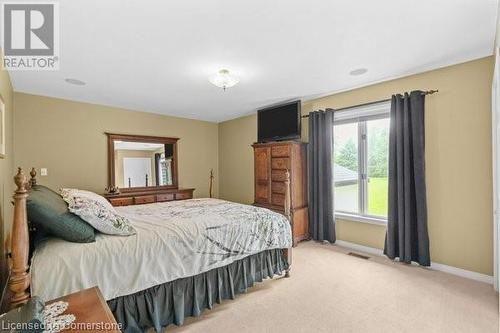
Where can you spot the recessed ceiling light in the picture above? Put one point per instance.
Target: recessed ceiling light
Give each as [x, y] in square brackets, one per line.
[358, 71]
[75, 82]
[223, 79]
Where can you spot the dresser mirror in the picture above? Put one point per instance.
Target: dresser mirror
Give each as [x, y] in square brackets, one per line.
[142, 162]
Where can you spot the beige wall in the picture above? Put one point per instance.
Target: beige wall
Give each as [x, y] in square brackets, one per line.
[6, 163]
[458, 158]
[68, 138]
[6, 170]
[236, 159]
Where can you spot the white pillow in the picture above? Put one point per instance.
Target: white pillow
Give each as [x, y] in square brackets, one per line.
[97, 211]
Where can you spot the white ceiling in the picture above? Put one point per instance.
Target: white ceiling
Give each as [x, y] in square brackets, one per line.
[156, 56]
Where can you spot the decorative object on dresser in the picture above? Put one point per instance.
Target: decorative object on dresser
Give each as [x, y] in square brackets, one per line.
[31, 314]
[112, 190]
[271, 162]
[143, 169]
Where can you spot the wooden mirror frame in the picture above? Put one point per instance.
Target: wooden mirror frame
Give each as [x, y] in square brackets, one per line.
[140, 138]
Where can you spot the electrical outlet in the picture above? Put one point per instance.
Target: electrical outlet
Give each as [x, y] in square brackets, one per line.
[43, 172]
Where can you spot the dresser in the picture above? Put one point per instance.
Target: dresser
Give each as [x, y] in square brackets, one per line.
[271, 160]
[143, 197]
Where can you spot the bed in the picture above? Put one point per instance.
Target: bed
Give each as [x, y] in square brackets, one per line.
[185, 257]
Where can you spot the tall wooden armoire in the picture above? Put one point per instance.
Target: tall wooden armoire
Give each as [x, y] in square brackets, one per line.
[271, 162]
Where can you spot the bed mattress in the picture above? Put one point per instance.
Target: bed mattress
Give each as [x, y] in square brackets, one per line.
[174, 240]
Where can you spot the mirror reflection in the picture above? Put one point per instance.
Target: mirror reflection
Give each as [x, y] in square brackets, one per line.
[142, 164]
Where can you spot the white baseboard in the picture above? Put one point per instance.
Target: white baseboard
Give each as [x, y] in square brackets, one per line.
[435, 266]
[362, 248]
[462, 272]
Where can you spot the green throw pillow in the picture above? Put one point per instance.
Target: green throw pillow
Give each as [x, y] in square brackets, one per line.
[47, 210]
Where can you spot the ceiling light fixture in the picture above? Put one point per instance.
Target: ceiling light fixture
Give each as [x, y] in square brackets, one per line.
[358, 71]
[76, 82]
[223, 79]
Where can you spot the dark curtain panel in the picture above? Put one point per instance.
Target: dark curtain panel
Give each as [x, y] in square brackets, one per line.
[407, 237]
[320, 171]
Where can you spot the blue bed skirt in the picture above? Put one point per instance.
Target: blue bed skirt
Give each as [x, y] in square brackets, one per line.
[171, 302]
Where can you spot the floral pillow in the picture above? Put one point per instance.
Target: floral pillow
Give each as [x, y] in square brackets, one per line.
[97, 211]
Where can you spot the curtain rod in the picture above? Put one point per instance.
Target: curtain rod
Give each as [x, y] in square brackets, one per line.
[428, 92]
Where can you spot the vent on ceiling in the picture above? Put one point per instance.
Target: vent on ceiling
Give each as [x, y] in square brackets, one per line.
[357, 255]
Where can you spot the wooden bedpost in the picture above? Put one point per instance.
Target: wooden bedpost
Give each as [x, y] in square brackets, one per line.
[33, 177]
[19, 281]
[288, 214]
[211, 182]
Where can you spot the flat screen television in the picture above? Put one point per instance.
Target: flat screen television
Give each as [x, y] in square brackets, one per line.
[279, 123]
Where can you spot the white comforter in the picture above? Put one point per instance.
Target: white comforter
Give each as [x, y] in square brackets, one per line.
[174, 240]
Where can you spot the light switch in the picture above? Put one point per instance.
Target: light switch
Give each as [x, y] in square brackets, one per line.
[43, 172]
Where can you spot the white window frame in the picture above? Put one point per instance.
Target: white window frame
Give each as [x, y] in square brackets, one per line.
[360, 115]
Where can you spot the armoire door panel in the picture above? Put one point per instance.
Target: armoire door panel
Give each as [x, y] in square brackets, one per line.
[262, 161]
[262, 194]
[262, 157]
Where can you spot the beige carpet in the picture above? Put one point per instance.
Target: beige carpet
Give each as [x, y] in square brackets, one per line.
[330, 291]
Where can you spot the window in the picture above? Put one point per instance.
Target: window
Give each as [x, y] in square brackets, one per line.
[165, 167]
[361, 149]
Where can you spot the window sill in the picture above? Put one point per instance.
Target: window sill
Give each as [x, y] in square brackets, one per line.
[360, 218]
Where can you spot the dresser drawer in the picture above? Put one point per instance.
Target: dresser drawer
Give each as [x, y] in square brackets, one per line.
[121, 201]
[165, 197]
[150, 196]
[280, 151]
[278, 187]
[278, 175]
[144, 199]
[280, 163]
[183, 195]
[278, 199]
